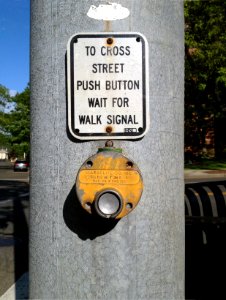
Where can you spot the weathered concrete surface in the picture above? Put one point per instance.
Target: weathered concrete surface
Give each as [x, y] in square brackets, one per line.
[142, 256]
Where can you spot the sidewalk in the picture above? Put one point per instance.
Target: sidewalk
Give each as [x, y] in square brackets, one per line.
[19, 290]
[204, 174]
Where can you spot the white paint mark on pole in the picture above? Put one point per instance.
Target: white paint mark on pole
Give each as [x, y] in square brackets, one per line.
[108, 12]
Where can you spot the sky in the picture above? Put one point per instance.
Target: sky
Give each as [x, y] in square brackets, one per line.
[14, 44]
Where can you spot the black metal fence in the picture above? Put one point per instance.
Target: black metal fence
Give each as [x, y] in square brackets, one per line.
[205, 232]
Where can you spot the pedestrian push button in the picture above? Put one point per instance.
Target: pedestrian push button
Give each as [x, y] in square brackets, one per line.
[109, 184]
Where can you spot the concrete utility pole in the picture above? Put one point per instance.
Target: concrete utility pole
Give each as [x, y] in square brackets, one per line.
[142, 256]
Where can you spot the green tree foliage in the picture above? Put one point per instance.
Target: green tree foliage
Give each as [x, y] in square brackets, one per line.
[4, 141]
[4, 101]
[15, 123]
[205, 72]
[4, 97]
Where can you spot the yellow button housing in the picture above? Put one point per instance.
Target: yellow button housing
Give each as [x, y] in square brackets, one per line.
[109, 184]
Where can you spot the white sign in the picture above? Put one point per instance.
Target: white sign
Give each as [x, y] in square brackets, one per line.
[108, 86]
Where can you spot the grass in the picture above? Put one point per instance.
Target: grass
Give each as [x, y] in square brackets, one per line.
[207, 164]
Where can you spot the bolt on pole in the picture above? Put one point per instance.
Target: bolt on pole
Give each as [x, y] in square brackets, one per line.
[72, 255]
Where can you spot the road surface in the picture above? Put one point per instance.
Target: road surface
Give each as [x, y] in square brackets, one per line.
[14, 209]
[6, 172]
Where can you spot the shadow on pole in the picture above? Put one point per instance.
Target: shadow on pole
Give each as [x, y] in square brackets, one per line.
[86, 226]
